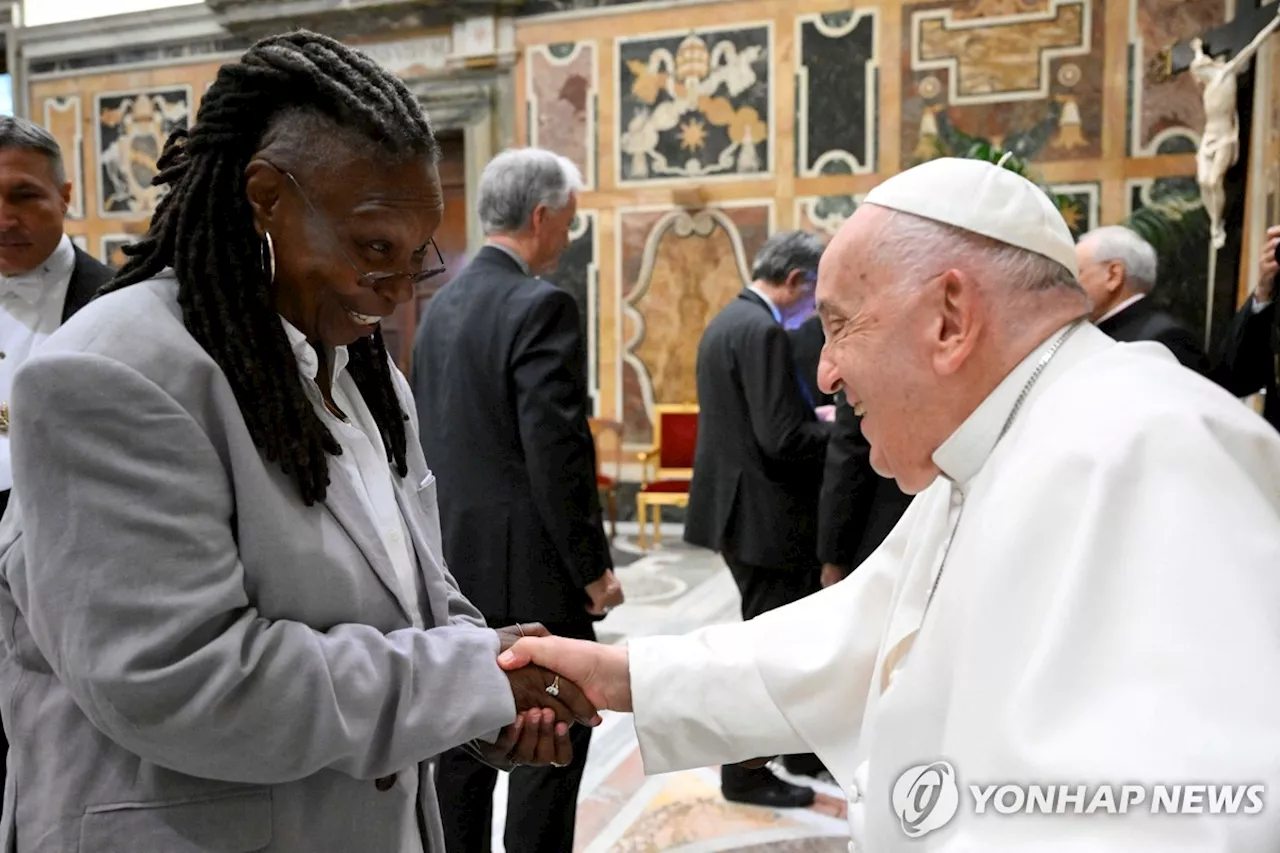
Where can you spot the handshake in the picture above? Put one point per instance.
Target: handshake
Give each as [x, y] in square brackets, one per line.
[556, 683]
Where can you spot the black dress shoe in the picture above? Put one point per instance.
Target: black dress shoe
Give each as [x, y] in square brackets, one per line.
[804, 765]
[762, 788]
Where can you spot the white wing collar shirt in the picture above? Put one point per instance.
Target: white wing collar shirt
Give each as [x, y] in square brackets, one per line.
[1086, 595]
[30, 310]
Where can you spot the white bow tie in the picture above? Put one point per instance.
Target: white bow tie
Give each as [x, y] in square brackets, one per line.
[29, 287]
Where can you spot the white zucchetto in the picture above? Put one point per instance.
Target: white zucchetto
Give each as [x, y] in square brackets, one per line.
[983, 198]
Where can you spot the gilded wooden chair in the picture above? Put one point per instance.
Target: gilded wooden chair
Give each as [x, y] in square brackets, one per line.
[606, 483]
[675, 437]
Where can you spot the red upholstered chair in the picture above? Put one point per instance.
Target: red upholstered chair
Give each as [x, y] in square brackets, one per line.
[606, 481]
[675, 436]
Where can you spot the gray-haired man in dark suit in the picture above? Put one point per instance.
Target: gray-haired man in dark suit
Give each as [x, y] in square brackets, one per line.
[498, 375]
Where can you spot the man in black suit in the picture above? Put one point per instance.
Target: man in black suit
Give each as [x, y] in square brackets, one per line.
[807, 340]
[44, 278]
[1250, 360]
[1118, 270]
[502, 406]
[758, 464]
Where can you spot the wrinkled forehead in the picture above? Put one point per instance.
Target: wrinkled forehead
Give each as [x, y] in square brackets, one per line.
[848, 272]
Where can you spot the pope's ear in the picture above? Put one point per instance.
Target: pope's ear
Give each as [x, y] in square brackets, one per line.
[960, 321]
[264, 185]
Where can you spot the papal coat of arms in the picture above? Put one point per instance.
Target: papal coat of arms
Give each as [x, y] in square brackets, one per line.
[695, 105]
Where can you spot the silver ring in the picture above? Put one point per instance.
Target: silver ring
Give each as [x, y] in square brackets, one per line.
[520, 628]
[553, 689]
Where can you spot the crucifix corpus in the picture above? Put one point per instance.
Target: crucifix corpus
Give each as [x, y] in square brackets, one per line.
[1220, 142]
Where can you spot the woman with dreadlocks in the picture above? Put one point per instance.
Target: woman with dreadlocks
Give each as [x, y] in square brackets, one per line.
[226, 622]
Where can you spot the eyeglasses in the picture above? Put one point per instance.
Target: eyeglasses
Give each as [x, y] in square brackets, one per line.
[372, 279]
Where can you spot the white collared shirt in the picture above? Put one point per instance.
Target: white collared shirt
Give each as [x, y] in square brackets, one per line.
[31, 307]
[364, 458]
[773, 309]
[1123, 305]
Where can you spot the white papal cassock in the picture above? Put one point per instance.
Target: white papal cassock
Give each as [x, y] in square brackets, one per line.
[1109, 612]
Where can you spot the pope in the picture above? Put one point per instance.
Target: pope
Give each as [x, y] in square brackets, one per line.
[1083, 591]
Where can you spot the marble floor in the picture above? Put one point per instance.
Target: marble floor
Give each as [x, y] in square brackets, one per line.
[674, 588]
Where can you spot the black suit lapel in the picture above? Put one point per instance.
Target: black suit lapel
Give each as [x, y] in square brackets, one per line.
[87, 277]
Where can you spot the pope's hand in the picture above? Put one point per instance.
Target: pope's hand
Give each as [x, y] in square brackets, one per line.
[529, 685]
[602, 672]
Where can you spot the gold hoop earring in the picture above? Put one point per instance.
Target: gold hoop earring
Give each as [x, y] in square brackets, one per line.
[269, 258]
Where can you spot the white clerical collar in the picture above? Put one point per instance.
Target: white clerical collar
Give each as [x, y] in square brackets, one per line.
[1123, 305]
[308, 362]
[38, 284]
[962, 456]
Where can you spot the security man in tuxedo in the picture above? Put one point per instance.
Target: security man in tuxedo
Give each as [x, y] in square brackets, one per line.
[44, 279]
[758, 463]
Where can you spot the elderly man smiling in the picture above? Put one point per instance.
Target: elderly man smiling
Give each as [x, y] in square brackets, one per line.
[1034, 618]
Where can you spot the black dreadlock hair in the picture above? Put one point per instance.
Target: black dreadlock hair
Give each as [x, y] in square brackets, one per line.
[203, 228]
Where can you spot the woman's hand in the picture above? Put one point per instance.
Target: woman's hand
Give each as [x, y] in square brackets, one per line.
[536, 738]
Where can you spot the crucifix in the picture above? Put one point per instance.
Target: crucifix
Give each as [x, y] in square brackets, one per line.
[1219, 148]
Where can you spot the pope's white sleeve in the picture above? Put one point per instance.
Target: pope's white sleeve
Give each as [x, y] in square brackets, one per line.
[699, 700]
[772, 686]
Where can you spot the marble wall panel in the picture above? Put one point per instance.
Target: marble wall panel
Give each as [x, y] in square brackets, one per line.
[110, 249]
[63, 117]
[131, 130]
[694, 105]
[823, 215]
[562, 99]
[1024, 74]
[677, 270]
[1165, 118]
[1082, 208]
[579, 274]
[836, 84]
[1182, 286]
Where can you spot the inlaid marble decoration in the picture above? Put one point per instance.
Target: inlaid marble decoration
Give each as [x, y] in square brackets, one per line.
[823, 215]
[1023, 74]
[579, 274]
[110, 249]
[131, 130]
[1182, 285]
[64, 119]
[562, 102]
[694, 105]
[1083, 204]
[1166, 118]
[836, 85]
[677, 270]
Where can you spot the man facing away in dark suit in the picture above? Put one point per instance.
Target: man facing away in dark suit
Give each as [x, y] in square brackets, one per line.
[1118, 270]
[757, 468]
[858, 507]
[44, 279]
[1250, 360]
[502, 407]
[807, 341]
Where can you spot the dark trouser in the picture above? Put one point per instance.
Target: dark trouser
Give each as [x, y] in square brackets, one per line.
[4, 740]
[762, 590]
[765, 589]
[542, 802]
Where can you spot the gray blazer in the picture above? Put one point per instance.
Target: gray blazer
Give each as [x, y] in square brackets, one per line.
[193, 660]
